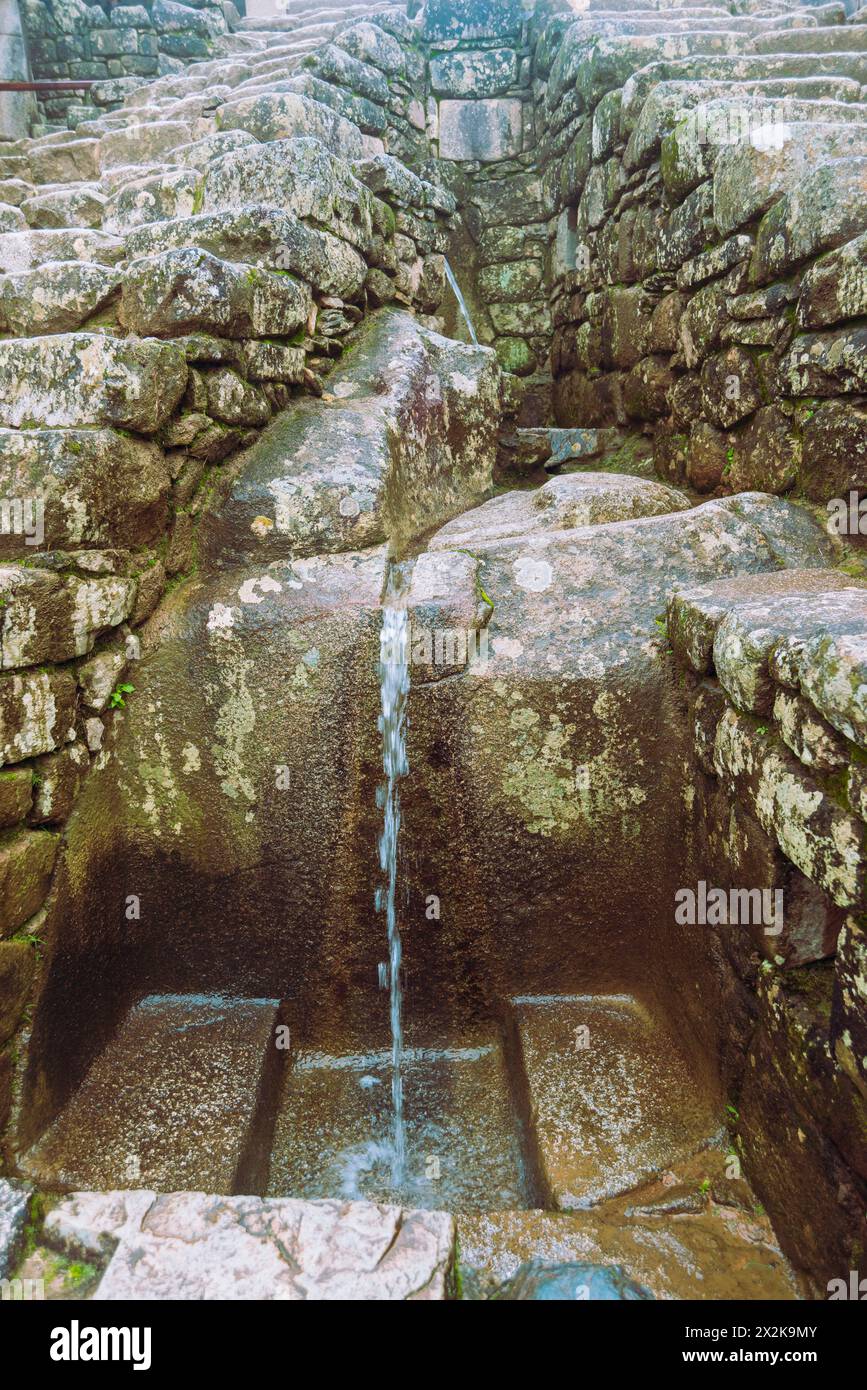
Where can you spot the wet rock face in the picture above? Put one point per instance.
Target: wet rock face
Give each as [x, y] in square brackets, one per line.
[407, 440]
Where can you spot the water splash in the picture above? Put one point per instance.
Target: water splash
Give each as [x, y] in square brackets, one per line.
[462, 303]
[394, 689]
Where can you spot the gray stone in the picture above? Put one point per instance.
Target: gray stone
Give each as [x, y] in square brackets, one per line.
[825, 209]
[191, 291]
[91, 379]
[14, 1214]
[480, 130]
[190, 1246]
[485, 73]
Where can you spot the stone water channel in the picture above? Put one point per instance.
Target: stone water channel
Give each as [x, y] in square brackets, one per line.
[435, 652]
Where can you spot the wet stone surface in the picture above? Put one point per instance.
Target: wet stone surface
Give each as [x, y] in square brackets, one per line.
[334, 1133]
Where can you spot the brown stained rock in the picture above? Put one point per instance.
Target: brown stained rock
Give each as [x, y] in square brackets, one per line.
[191, 1246]
[613, 1099]
[801, 1124]
[16, 795]
[767, 453]
[37, 713]
[730, 388]
[849, 1005]
[45, 618]
[58, 778]
[693, 1232]
[119, 485]
[708, 456]
[26, 861]
[834, 458]
[173, 1100]
[646, 388]
[17, 961]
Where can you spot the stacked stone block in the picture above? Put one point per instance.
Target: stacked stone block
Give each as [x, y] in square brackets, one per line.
[708, 267]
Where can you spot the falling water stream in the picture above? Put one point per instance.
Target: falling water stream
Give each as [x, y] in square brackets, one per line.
[462, 303]
[394, 689]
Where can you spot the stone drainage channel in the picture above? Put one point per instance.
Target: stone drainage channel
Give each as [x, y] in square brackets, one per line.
[542, 1145]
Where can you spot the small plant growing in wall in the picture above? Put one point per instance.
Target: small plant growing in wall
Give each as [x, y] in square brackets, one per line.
[118, 695]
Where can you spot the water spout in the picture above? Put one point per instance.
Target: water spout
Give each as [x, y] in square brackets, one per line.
[462, 303]
[394, 689]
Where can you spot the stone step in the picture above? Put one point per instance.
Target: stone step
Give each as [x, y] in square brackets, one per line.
[613, 1101]
[178, 1099]
[847, 38]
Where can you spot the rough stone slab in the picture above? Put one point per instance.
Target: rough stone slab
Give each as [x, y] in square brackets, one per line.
[612, 1100]
[323, 479]
[265, 236]
[23, 251]
[749, 177]
[46, 618]
[749, 633]
[90, 379]
[14, 1209]
[820, 839]
[37, 713]
[694, 614]
[826, 208]
[835, 288]
[282, 115]
[334, 1131]
[472, 19]
[190, 1246]
[300, 177]
[191, 291]
[17, 963]
[690, 151]
[731, 112]
[172, 1101]
[485, 73]
[575, 499]
[26, 861]
[55, 298]
[484, 130]
[667, 1237]
[95, 488]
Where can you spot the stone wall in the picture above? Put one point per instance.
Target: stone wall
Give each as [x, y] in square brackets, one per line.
[169, 283]
[117, 45]
[778, 803]
[708, 271]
